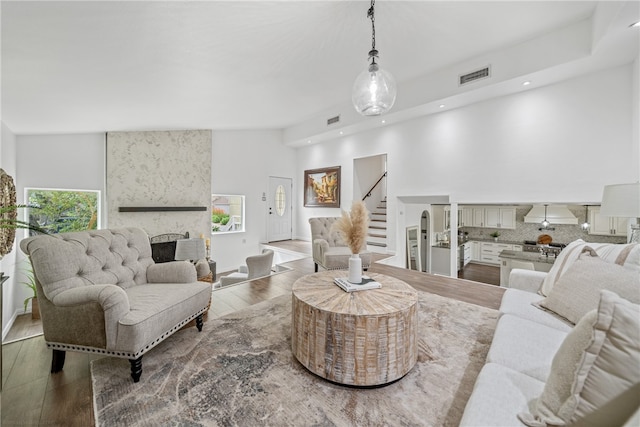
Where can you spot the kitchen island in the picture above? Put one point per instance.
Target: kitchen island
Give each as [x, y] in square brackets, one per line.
[524, 260]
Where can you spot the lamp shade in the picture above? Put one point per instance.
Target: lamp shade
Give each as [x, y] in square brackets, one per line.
[621, 200]
[374, 91]
[190, 249]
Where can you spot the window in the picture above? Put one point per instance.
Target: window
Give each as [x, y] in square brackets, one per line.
[59, 211]
[281, 197]
[227, 213]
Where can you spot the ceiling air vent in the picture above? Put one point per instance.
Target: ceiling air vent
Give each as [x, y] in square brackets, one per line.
[474, 75]
[333, 120]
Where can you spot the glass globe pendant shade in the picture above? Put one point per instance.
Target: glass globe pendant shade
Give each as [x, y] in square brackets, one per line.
[374, 91]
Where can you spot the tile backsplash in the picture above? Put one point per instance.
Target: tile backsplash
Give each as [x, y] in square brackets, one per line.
[526, 231]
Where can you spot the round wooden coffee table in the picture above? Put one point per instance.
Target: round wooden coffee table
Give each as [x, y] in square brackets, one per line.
[362, 338]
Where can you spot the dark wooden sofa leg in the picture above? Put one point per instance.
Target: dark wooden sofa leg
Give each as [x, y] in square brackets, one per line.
[57, 361]
[136, 368]
[199, 322]
[316, 267]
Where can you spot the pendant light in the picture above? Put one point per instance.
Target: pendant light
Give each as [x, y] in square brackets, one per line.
[585, 225]
[545, 223]
[374, 91]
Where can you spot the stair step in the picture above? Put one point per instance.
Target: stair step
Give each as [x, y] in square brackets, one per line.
[381, 245]
[377, 227]
[384, 236]
[378, 220]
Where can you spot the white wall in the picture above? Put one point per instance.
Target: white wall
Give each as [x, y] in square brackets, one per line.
[560, 143]
[54, 161]
[8, 262]
[242, 163]
[635, 113]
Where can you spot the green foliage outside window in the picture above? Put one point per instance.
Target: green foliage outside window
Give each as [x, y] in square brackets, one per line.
[60, 211]
[227, 213]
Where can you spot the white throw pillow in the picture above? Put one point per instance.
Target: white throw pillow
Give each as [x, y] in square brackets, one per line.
[595, 365]
[625, 255]
[578, 290]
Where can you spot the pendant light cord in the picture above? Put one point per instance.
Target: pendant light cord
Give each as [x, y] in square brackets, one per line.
[373, 53]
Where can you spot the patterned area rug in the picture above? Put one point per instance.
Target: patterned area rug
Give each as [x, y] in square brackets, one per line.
[240, 371]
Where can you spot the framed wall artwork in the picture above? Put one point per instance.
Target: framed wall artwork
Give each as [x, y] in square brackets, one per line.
[322, 187]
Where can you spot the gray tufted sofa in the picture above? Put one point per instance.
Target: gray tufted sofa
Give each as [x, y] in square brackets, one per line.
[100, 291]
[329, 249]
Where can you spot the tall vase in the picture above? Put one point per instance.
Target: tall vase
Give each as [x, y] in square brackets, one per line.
[355, 268]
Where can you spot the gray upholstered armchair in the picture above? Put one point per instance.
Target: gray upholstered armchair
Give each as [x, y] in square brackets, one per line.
[257, 266]
[101, 292]
[329, 249]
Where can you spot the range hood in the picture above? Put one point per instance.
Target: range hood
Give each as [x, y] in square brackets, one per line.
[556, 214]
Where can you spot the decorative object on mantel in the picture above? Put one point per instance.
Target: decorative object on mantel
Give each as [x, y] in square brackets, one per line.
[374, 91]
[353, 227]
[623, 201]
[161, 208]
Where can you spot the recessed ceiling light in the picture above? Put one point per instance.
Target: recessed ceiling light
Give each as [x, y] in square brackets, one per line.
[384, 121]
[441, 105]
[341, 133]
[527, 83]
[635, 25]
[308, 141]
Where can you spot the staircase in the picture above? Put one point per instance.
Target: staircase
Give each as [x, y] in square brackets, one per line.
[377, 234]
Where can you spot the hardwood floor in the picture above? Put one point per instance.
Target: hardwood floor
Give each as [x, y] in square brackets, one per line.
[33, 396]
[481, 273]
[24, 327]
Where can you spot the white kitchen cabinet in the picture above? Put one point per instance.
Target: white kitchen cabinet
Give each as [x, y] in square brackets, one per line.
[478, 217]
[446, 219]
[466, 253]
[496, 217]
[465, 217]
[605, 225]
[475, 251]
[490, 252]
[487, 217]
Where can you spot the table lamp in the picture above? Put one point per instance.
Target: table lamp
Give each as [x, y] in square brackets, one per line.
[190, 249]
[623, 201]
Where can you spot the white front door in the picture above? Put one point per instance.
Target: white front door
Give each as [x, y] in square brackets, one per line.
[279, 209]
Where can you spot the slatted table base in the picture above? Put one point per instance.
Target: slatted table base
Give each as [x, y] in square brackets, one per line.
[362, 338]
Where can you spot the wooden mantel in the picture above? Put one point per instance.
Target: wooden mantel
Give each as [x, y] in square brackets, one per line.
[161, 208]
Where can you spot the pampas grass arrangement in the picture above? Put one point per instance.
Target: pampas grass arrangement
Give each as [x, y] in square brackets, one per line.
[353, 226]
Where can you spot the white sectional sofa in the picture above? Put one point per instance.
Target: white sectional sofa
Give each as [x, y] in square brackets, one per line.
[527, 339]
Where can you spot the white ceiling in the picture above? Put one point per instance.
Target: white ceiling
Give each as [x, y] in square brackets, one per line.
[71, 67]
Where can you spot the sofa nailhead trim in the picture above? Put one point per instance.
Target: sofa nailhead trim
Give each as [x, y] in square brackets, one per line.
[126, 355]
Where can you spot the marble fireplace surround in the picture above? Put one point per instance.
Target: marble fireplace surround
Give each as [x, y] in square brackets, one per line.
[166, 175]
